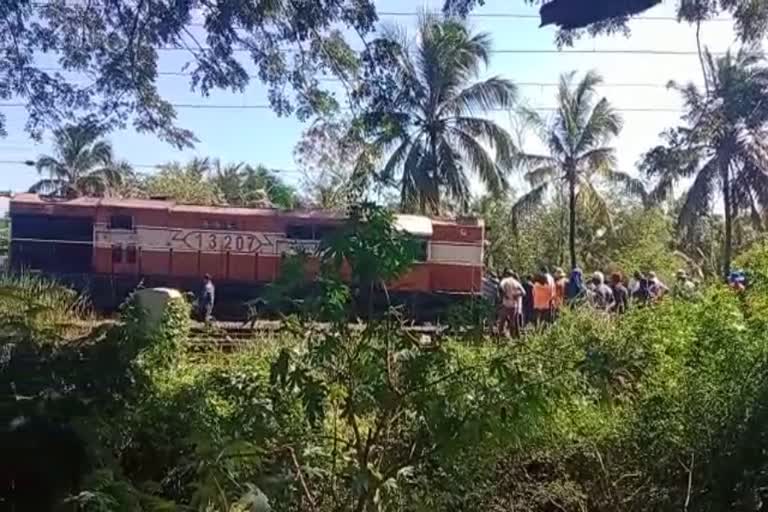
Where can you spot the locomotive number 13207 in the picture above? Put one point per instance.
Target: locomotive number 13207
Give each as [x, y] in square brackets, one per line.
[224, 242]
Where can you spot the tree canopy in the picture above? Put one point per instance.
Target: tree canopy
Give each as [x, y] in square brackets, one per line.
[83, 164]
[578, 138]
[722, 144]
[290, 43]
[244, 185]
[209, 182]
[425, 120]
[594, 17]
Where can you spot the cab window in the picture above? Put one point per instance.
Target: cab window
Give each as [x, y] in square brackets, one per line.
[121, 222]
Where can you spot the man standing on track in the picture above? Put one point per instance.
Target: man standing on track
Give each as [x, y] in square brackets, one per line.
[207, 297]
[512, 293]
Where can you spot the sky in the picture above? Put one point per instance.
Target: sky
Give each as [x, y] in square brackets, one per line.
[633, 80]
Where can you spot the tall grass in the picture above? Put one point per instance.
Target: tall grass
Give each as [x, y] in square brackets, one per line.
[40, 308]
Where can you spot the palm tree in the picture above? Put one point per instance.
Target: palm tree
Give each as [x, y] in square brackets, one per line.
[229, 179]
[244, 185]
[723, 144]
[427, 126]
[576, 136]
[82, 165]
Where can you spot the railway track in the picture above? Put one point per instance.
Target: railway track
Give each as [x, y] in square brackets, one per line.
[230, 336]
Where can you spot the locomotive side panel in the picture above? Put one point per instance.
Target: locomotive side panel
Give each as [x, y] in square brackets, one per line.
[267, 268]
[168, 244]
[456, 278]
[456, 256]
[241, 267]
[417, 279]
[154, 262]
[119, 238]
[52, 237]
[185, 264]
[215, 264]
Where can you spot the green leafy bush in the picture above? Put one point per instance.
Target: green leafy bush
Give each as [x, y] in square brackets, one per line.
[33, 307]
[663, 408]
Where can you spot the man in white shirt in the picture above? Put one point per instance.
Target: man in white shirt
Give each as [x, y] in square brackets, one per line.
[658, 288]
[512, 293]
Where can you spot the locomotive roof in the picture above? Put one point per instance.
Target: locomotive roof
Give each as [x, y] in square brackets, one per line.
[173, 206]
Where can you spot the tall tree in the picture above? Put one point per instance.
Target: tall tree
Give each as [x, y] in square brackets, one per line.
[424, 116]
[187, 184]
[335, 164]
[596, 17]
[577, 137]
[229, 179]
[243, 185]
[290, 43]
[83, 164]
[722, 144]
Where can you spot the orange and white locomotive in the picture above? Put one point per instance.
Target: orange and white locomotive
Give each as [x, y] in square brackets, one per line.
[110, 245]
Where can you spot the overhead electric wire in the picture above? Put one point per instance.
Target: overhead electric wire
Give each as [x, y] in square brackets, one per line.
[534, 16]
[332, 79]
[502, 51]
[505, 51]
[507, 15]
[218, 106]
[31, 163]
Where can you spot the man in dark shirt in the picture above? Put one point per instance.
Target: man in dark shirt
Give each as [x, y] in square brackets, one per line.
[620, 294]
[601, 295]
[207, 298]
[528, 299]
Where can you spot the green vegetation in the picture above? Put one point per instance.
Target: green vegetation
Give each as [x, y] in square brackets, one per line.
[577, 138]
[636, 238]
[663, 408]
[427, 126]
[5, 236]
[118, 48]
[83, 165]
[34, 307]
[607, 18]
[203, 181]
[243, 185]
[721, 144]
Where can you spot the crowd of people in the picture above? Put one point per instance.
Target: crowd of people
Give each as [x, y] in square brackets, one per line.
[538, 299]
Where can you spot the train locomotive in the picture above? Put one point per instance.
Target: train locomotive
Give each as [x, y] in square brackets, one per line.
[108, 246]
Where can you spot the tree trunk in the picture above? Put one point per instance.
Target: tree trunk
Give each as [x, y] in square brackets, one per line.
[561, 236]
[571, 176]
[728, 242]
[436, 171]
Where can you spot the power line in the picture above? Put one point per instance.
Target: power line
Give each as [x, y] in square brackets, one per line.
[336, 80]
[504, 15]
[522, 16]
[31, 163]
[503, 51]
[214, 106]
[511, 51]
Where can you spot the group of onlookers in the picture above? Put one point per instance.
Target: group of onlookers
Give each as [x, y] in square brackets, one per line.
[538, 299]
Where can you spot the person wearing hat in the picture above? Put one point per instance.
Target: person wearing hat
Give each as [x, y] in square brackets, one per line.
[684, 288]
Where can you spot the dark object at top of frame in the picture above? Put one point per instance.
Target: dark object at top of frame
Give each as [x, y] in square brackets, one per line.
[573, 14]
